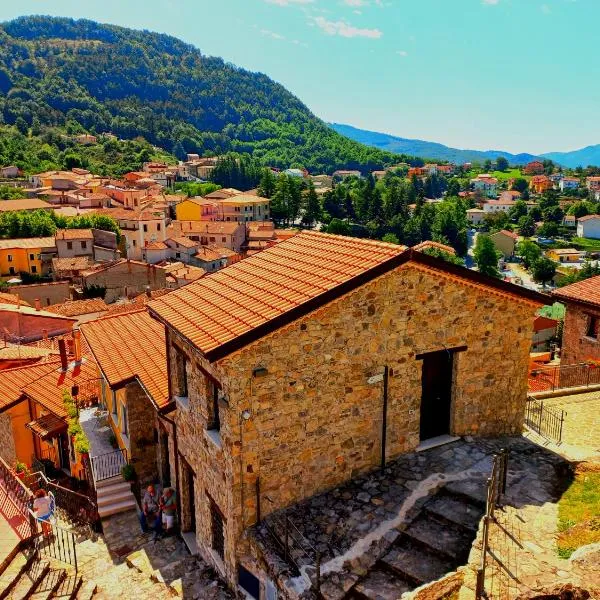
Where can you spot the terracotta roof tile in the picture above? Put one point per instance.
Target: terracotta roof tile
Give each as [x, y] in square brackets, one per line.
[74, 234]
[131, 346]
[47, 426]
[75, 263]
[12, 381]
[6, 298]
[74, 308]
[588, 218]
[42, 242]
[23, 204]
[432, 244]
[587, 291]
[542, 323]
[235, 300]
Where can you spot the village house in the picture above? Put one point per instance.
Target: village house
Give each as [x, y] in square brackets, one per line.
[342, 174]
[565, 255]
[593, 183]
[485, 184]
[475, 215]
[24, 204]
[544, 331]
[581, 329]
[505, 242]
[589, 227]
[71, 269]
[82, 310]
[124, 278]
[48, 292]
[510, 195]
[494, 206]
[23, 324]
[179, 274]
[242, 208]
[74, 242]
[9, 172]
[229, 235]
[282, 365]
[534, 167]
[540, 183]
[85, 139]
[569, 221]
[568, 183]
[27, 255]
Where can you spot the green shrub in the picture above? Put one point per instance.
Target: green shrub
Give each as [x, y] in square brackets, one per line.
[82, 444]
[74, 427]
[128, 472]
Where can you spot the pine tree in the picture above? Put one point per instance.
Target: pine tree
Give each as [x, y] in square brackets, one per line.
[266, 187]
[312, 206]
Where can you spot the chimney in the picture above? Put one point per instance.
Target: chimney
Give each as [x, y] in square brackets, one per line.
[44, 334]
[62, 349]
[38, 304]
[77, 344]
[148, 291]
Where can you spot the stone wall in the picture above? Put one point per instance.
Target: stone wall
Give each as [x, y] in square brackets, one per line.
[141, 421]
[315, 420]
[48, 293]
[576, 345]
[7, 443]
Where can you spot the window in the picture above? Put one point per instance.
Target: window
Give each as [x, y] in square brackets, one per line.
[214, 422]
[124, 425]
[217, 529]
[69, 245]
[39, 257]
[223, 239]
[158, 227]
[33, 269]
[114, 405]
[593, 328]
[181, 382]
[212, 239]
[177, 254]
[10, 258]
[133, 243]
[145, 228]
[249, 582]
[11, 270]
[83, 245]
[32, 257]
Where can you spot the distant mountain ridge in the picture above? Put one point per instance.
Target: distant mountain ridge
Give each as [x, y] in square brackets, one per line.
[424, 149]
[584, 157]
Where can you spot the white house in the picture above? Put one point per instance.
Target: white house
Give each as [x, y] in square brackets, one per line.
[486, 184]
[568, 183]
[475, 215]
[494, 206]
[589, 227]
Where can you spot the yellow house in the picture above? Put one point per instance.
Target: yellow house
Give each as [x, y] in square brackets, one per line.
[565, 255]
[30, 255]
[240, 208]
[196, 209]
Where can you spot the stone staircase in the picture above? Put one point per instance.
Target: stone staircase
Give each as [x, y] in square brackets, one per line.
[114, 496]
[28, 576]
[435, 543]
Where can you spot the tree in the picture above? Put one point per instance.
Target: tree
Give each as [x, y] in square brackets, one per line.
[529, 251]
[21, 125]
[312, 205]
[439, 253]
[338, 227]
[581, 209]
[453, 188]
[266, 187]
[554, 214]
[390, 238]
[501, 163]
[486, 256]
[548, 229]
[487, 165]
[520, 184]
[543, 270]
[518, 210]
[526, 226]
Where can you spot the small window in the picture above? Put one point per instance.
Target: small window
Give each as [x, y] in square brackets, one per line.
[214, 421]
[249, 582]
[39, 257]
[177, 254]
[69, 245]
[83, 245]
[181, 373]
[223, 239]
[217, 529]
[33, 269]
[133, 243]
[9, 258]
[212, 239]
[593, 328]
[124, 424]
[158, 227]
[32, 257]
[145, 228]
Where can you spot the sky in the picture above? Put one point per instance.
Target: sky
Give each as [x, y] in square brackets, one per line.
[515, 75]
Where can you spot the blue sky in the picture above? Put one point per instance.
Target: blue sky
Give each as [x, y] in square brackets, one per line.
[517, 75]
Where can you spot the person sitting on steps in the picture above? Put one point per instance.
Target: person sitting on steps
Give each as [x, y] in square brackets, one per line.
[150, 517]
[168, 506]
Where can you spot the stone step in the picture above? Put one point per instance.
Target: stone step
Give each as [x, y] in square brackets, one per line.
[113, 488]
[86, 591]
[119, 496]
[49, 585]
[10, 577]
[30, 580]
[443, 539]
[380, 584]
[456, 510]
[473, 491]
[117, 507]
[68, 588]
[108, 482]
[415, 564]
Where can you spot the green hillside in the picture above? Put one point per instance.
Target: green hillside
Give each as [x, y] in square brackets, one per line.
[61, 72]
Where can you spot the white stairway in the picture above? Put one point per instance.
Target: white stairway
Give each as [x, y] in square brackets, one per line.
[114, 496]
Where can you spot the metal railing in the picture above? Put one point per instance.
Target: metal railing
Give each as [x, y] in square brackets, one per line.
[108, 465]
[52, 541]
[18, 495]
[548, 379]
[545, 421]
[295, 549]
[496, 488]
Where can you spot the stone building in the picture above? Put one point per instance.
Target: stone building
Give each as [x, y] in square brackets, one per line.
[581, 330]
[319, 359]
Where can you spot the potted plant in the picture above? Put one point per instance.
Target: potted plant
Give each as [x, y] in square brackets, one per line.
[112, 438]
[128, 472]
[82, 445]
[21, 469]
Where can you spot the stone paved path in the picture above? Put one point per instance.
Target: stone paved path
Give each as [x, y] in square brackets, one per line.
[8, 537]
[582, 421]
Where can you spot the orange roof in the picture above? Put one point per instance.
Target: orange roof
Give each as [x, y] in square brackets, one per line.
[74, 234]
[542, 323]
[250, 293]
[586, 291]
[156, 246]
[73, 308]
[183, 241]
[23, 204]
[75, 263]
[214, 227]
[48, 389]
[588, 218]
[131, 346]
[47, 426]
[510, 234]
[432, 244]
[12, 381]
[12, 299]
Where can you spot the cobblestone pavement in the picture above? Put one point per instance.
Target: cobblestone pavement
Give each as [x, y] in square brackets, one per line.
[356, 526]
[582, 420]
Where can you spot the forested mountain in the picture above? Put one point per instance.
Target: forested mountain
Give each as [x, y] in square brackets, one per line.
[423, 149]
[60, 72]
[584, 157]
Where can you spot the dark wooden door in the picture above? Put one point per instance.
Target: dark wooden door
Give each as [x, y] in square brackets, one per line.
[436, 394]
[192, 499]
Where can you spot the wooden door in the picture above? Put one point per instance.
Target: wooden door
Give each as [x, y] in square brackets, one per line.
[436, 394]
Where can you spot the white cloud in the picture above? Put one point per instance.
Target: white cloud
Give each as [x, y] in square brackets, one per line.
[289, 2]
[402, 52]
[490, 2]
[344, 29]
[272, 34]
[355, 2]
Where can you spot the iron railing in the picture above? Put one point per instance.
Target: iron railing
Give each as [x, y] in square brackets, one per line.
[18, 495]
[548, 379]
[108, 465]
[496, 488]
[53, 541]
[545, 421]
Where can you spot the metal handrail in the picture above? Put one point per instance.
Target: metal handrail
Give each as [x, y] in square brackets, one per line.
[58, 544]
[109, 464]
